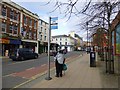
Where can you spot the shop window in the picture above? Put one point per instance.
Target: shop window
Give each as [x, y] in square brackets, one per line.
[10, 28]
[11, 14]
[15, 29]
[4, 11]
[3, 27]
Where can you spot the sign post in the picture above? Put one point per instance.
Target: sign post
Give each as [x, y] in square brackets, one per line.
[52, 25]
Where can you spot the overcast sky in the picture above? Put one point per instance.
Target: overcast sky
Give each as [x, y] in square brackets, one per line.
[64, 26]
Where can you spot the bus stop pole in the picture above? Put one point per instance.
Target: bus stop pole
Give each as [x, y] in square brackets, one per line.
[48, 73]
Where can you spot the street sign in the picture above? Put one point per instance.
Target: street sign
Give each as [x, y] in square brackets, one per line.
[54, 22]
[54, 26]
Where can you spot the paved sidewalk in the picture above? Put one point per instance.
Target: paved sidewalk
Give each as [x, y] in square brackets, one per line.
[79, 75]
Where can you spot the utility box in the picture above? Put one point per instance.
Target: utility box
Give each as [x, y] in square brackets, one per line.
[92, 59]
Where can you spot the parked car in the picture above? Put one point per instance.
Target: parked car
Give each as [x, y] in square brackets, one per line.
[23, 54]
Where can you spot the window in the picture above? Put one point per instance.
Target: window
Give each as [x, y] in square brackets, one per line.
[30, 22]
[4, 11]
[60, 39]
[41, 29]
[3, 27]
[45, 38]
[56, 39]
[11, 14]
[35, 24]
[30, 34]
[16, 16]
[15, 29]
[66, 39]
[41, 23]
[41, 37]
[45, 31]
[34, 35]
[10, 28]
[60, 43]
[65, 43]
[25, 20]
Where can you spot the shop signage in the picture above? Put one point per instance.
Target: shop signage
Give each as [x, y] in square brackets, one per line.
[12, 41]
[4, 41]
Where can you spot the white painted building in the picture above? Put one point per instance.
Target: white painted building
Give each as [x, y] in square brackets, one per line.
[43, 28]
[64, 41]
[79, 39]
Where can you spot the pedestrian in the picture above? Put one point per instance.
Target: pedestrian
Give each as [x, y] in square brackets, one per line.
[59, 60]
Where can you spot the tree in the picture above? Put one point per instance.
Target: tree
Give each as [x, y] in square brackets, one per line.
[98, 15]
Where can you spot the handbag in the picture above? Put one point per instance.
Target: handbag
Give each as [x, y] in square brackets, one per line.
[64, 67]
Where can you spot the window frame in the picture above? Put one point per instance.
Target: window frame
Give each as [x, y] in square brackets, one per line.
[11, 14]
[4, 11]
[4, 27]
[15, 29]
[11, 28]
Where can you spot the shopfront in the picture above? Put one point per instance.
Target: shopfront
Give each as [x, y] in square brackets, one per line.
[8, 46]
[4, 50]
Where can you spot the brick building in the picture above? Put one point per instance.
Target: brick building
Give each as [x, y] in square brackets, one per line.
[18, 28]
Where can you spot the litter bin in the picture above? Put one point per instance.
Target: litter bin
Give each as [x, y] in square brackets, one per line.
[92, 59]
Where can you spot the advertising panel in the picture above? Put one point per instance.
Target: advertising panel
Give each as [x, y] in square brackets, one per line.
[118, 39]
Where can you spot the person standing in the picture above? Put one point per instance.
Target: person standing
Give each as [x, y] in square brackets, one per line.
[59, 60]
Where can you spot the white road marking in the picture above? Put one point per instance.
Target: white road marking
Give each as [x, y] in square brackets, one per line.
[43, 65]
[30, 68]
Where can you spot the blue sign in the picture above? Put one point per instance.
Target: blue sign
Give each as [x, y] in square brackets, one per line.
[54, 23]
[54, 26]
[15, 41]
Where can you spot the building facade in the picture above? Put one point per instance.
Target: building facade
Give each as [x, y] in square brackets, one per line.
[79, 43]
[18, 28]
[43, 28]
[64, 42]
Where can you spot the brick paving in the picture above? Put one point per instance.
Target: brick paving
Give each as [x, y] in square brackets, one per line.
[80, 75]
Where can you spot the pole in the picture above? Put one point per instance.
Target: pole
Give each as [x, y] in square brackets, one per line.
[48, 74]
[87, 37]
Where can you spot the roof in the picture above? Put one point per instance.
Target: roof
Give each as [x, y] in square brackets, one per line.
[20, 8]
[57, 36]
